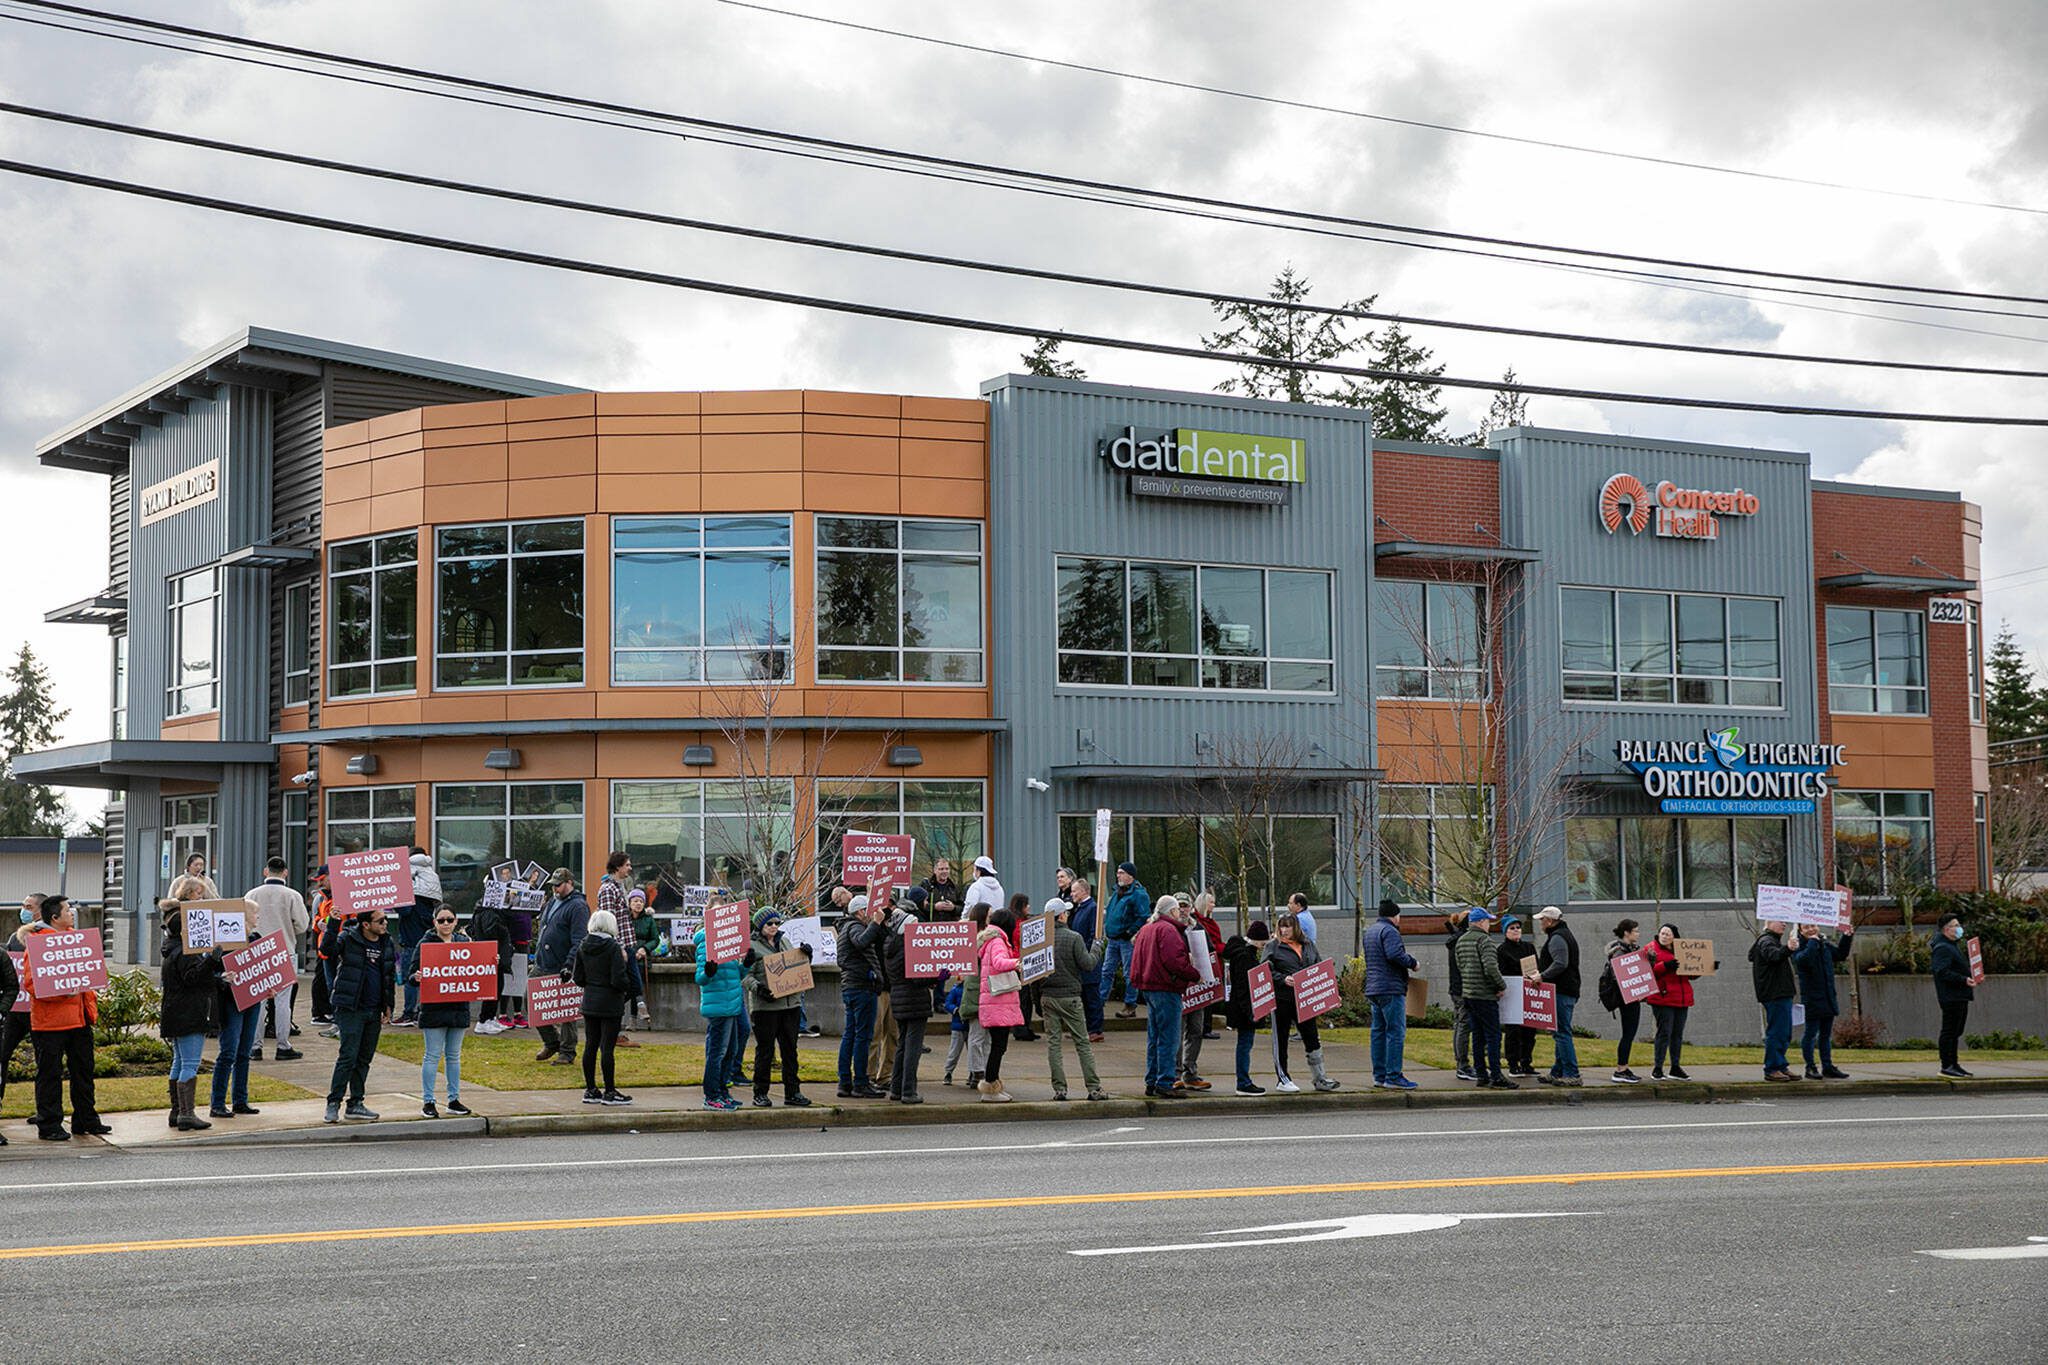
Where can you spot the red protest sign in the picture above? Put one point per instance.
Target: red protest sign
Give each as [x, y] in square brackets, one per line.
[65, 962]
[1539, 1007]
[726, 931]
[21, 1001]
[1200, 996]
[1259, 985]
[375, 879]
[1315, 989]
[551, 1000]
[875, 859]
[455, 973]
[1633, 974]
[1847, 922]
[932, 949]
[1976, 962]
[259, 971]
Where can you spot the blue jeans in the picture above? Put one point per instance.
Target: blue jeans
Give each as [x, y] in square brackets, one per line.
[721, 1053]
[1117, 955]
[1091, 1003]
[1162, 1039]
[1485, 1018]
[1389, 1035]
[1245, 1038]
[185, 1054]
[1566, 1061]
[855, 1038]
[1777, 1034]
[736, 1067]
[231, 1063]
[442, 1043]
[1820, 1033]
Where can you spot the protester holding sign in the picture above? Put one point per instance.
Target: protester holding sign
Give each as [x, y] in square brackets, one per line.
[556, 944]
[61, 1016]
[1628, 936]
[231, 1059]
[442, 1023]
[1770, 969]
[1480, 976]
[1517, 959]
[1084, 918]
[1074, 962]
[1671, 1003]
[1814, 963]
[909, 1004]
[600, 969]
[1000, 1006]
[1289, 954]
[1952, 991]
[1558, 961]
[365, 988]
[1205, 949]
[720, 1001]
[860, 936]
[775, 1015]
[14, 1019]
[1241, 953]
[189, 982]
[1387, 965]
[275, 908]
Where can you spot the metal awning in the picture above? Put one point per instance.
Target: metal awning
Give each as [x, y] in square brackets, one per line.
[1899, 582]
[908, 725]
[104, 608]
[1199, 772]
[111, 763]
[269, 557]
[1423, 549]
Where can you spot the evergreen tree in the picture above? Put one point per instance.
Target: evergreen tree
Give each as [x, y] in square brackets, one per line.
[1509, 408]
[2014, 707]
[1402, 410]
[29, 717]
[1286, 334]
[1044, 360]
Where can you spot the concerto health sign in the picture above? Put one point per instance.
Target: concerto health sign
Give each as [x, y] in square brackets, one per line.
[1718, 775]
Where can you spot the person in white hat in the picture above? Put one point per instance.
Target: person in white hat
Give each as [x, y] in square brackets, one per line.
[986, 890]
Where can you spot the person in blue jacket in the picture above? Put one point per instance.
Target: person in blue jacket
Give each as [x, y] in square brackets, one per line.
[1130, 905]
[719, 1000]
[1387, 964]
[1814, 961]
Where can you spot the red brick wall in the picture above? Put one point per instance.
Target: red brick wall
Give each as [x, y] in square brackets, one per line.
[1434, 498]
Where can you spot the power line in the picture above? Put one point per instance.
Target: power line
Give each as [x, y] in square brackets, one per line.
[1424, 124]
[966, 263]
[847, 306]
[924, 163]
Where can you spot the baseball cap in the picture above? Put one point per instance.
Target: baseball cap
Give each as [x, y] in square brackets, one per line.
[1478, 914]
[560, 875]
[1550, 912]
[983, 864]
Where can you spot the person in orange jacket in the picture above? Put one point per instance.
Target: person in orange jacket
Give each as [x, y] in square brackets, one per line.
[61, 1026]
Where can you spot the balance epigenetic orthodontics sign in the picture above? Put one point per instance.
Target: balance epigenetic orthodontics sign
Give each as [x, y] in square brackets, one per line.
[1718, 776]
[451, 973]
[375, 879]
[259, 971]
[65, 962]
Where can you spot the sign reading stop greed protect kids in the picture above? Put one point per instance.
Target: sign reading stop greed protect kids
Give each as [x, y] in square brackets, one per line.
[455, 973]
[65, 962]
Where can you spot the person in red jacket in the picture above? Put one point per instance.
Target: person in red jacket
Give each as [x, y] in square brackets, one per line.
[1161, 970]
[61, 1026]
[1670, 1004]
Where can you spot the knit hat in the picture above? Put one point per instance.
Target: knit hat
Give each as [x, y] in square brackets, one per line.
[857, 904]
[766, 913]
[1257, 931]
[1510, 922]
[1131, 868]
[917, 896]
[1389, 910]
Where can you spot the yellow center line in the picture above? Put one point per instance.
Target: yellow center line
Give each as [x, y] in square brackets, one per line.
[1032, 1201]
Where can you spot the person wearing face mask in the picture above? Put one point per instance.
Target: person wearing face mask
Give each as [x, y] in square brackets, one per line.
[1518, 1041]
[365, 987]
[1952, 991]
[442, 1025]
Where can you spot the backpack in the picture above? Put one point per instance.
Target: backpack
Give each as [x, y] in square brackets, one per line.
[1610, 989]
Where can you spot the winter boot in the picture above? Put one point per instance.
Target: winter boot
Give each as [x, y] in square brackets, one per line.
[188, 1100]
[172, 1091]
[1315, 1064]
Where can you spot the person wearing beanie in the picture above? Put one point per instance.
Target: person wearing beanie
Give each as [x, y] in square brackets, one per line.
[1074, 960]
[1518, 1041]
[860, 935]
[1479, 972]
[774, 1017]
[1953, 991]
[1130, 905]
[909, 1002]
[1240, 954]
[1558, 964]
[1387, 965]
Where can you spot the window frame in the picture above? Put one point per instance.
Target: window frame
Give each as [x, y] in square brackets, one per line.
[1742, 888]
[703, 649]
[1973, 645]
[386, 791]
[890, 820]
[509, 654]
[376, 661]
[119, 721]
[1884, 821]
[435, 819]
[1123, 837]
[819, 553]
[1673, 676]
[1429, 820]
[178, 603]
[785, 786]
[1836, 690]
[1265, 659]
[1432, 671]
[298, 627]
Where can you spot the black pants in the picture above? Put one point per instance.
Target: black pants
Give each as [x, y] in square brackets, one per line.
[1518, 1047]
[998, 1044]
[359, 1031]
[600, 1041]
[1953, 1017]
[775, 1034]
[909, 1047]
[1670, 1032]
[1485, 1037]
[320, 1001]
[55, 1051]
[1631, 1017]
[1283, 1020]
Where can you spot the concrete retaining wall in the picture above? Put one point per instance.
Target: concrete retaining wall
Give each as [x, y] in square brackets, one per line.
[1906, 1005]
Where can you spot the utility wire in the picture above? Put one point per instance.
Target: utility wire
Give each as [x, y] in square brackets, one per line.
[1424, 124]
[1151, 196]
[966, 263]
[850, 307]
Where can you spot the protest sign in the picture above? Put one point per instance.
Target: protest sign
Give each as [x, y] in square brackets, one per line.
[497, 895]
[1695, 956]
[1259, 985]
[1418, 997]
[214, 924]
[505, 871]
[1315, 989]
[1976, 950]
[21, 1001]
[516, 972]
[1531, 1004]
[1633, 974]
[1798, 1015]
[551, 1000]
[65, 962]
[869, 860]
[534, 875]
[930, 950]
[1847, 923]
[1202, 995]
[787, 972]
[697, 898]
[726, 931]
[1102, 835]
[823, 938]
[1198, 954]
[1034, 948]
[375, 879]
[1817, 906]
[1531, 968]
[453, 973]
[681, 930]
[259, 971]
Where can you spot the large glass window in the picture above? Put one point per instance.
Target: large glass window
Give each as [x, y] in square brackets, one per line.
[1430, 843]
[1877, 661]
[700, 599]
[120, 687]
[1655, 859]
[298, 643]
[1975, 659]
[948, 820]
[360, 818]
[704, 833]
[1428, 639]
[194, 603]
[509, 610]
[298, 840]
[1178, 854]
[899, 600]
[1139, 623]
[477, 825]
[1690, 649]
[1884, 841]
[372, 611]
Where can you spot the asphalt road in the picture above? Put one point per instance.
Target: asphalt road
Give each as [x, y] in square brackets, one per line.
[683, 1247]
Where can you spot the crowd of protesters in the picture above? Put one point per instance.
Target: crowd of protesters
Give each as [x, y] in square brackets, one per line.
[1127, 950]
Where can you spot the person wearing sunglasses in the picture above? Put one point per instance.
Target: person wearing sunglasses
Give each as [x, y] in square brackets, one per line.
[442, 1025]
[365, 984]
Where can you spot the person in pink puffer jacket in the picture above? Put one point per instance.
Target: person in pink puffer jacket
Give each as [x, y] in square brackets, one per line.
[1001, 1011]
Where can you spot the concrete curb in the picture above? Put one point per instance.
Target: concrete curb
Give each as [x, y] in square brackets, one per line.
[882, 1115]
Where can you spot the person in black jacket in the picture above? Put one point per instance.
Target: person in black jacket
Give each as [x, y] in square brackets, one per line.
[10, 988]
[861, 934]
[189, 981]
[600, 969]
[365, 983]
[1814, 963]
[1240, 954]
[1953, 991]
[1518, 1041]
[1461, 1020]
[555, 944]
[1558, 963]
[910, 1004]
[1770, 969]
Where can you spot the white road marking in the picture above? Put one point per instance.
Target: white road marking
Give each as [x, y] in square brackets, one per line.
[384, 1172]
[1327, 1230]
[2034, 1248]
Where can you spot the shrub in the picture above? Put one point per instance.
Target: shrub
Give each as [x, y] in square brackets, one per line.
[1919, 1044]
[1356, 1011]
[1581, 1031]
[1858, 1030]
[1433, 1016]
[1903, 952]
[131, 1001]
[143, 1051]
[2003, 1040]
[2013, 934]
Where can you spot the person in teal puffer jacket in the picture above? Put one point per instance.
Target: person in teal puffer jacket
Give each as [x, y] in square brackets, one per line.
[720, 992]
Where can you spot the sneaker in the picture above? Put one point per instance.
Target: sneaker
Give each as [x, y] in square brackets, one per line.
[763, 1102]
[1678, 1074]
[1211, 1036]
[947, 1079]
[318, 1019]
[289, 1054]
[565, 1059]
[1548, 1079]
[1570, 1082]
[1104, 1094]
[333, 1114]
[999, 1096]
[332, 1032]
[1831, 1073]
[1500, 1083]
[873, 1092]
[615, 1097]
[296, 1030]
[1625, 1077]
[428, 1111]
[1326, 1085]
[459, 1109]
[1127, 1013]
[54, 1135]
[1466, 1073]
[729, 1105]
[1656, 1073]
[1059, 1092]
[1196, 1083]
[1402, 1083]
[716, 1106]
[1777, 1075]
[358, 1110]
[846, 1094]
[814, 1033]
[243, 1107]
[591, 1096]
[1286, 1086]
[910, 1099]
[627, 1042]
[1156, 1094]
[1812, 1072]
[97, 1128]
[1247, 1090]
[799, 1101]
[257, 1055]
[1953, 1071]
[406, 1021]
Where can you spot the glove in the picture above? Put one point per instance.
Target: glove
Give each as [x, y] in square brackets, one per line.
[806, 950]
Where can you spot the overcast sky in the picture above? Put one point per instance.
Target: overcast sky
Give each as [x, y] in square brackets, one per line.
[98, 292]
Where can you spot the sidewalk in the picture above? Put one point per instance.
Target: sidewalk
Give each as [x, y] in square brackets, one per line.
[394, 1093]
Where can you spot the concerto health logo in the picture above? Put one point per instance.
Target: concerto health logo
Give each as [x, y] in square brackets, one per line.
[1623, 498]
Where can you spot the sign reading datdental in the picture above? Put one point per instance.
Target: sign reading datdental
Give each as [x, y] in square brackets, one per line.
[1679, 513]
[1717, 776]
[1209, 466]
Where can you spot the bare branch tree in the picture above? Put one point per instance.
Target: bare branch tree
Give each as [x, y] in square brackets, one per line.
[2017, 826]
[1246, 778]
